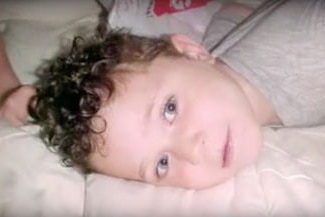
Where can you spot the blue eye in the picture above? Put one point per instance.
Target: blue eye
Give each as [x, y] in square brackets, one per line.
[170, 109]
[162, 166]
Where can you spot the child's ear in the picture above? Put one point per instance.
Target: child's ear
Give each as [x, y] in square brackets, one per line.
[190, 48]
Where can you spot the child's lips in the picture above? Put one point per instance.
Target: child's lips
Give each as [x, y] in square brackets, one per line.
[227, 151]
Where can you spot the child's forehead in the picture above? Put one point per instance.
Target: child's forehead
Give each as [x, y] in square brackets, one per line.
[130, 75]
[127, 69]
[160, 69]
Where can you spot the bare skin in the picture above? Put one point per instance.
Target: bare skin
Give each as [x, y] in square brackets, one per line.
[14, 97]
[186, 122]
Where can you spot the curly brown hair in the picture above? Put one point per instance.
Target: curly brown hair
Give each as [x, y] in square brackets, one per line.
[67, 96]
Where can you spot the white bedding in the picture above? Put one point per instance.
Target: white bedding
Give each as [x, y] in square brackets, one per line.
[288, 180]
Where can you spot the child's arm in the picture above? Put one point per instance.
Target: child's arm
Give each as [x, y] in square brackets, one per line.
[8, 79]
[14, 97]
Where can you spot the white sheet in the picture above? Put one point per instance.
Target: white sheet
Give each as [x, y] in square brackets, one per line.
[32, 181]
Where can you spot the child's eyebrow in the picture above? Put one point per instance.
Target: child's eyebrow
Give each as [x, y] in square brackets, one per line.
[149, 108]
[142, 171]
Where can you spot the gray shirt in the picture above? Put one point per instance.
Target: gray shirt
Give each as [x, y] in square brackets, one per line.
[282, 53]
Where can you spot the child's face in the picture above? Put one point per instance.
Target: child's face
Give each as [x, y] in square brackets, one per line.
[182, 123]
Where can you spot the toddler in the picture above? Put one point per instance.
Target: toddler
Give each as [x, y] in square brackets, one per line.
[167, 112]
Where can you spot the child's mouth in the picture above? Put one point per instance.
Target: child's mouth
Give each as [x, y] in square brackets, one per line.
[227, 151]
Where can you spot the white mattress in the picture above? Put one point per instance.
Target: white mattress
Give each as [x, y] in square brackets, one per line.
[288, 180]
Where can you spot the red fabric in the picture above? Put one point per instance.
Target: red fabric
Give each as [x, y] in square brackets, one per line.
[161, 7]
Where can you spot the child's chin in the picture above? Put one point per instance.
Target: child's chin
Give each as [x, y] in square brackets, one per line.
[250, 159]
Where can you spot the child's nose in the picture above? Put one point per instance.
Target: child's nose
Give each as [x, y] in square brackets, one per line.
[190, 149]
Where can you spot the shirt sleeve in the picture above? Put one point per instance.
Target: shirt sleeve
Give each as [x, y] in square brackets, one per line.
[221, 23]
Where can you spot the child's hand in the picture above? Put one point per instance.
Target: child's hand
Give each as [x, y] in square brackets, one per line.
[14, 108]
